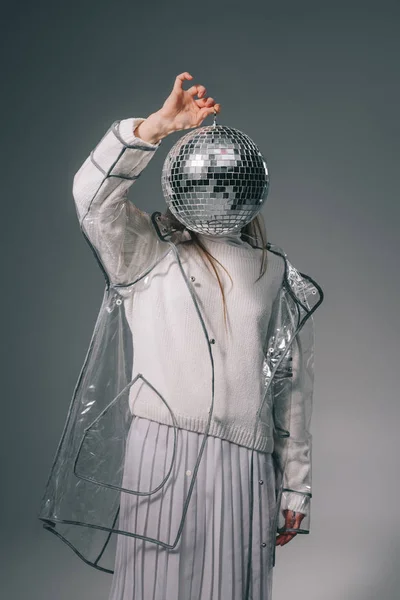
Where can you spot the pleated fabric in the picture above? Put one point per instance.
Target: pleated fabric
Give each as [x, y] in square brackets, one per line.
[210, 559]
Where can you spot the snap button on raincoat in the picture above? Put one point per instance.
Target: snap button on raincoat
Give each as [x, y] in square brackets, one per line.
[81, 499]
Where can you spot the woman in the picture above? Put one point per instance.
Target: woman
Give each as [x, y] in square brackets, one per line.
[223, 546]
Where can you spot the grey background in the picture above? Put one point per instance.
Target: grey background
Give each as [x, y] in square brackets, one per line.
[316, 86]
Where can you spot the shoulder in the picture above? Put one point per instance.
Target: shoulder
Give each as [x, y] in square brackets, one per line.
[302, 285]
[280, 257]
[275, 266]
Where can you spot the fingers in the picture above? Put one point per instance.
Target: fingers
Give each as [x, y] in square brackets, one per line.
[214, 109]
[205, 102]
[180, 79]
[284, 538]
[200, 90]
[194, 90]
[209, 108]
[208, 111]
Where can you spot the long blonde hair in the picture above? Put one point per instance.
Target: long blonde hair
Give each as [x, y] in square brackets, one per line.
[254, 233]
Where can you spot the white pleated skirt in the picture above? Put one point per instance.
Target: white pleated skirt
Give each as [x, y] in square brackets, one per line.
[210, 559]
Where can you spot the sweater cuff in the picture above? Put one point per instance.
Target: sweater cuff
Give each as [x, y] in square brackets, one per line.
[295, 501]
[126, 128]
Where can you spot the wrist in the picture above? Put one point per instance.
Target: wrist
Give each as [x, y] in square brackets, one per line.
[153, 129]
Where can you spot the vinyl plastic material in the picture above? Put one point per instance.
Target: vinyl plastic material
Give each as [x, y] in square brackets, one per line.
[81, 499]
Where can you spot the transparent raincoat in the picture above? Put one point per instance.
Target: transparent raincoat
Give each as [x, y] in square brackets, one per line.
[81, 499]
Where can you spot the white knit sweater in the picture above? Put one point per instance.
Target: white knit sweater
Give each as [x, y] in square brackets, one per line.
[170, 349]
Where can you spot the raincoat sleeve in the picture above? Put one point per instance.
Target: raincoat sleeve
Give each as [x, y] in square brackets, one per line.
[297, 477]
[121, 236]
[293, 397]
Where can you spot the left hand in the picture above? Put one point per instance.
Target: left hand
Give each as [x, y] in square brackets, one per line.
[292, 521]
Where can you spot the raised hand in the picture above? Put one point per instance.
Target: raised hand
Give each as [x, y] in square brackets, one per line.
[182, 110]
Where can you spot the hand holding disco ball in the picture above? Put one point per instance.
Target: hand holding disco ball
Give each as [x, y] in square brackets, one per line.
[214, 179]
[181, 108]
[180, 111]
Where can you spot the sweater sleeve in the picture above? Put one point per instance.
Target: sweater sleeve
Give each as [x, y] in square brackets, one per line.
[122, 236]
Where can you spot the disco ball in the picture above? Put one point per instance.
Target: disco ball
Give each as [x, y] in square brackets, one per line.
[215, 180]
